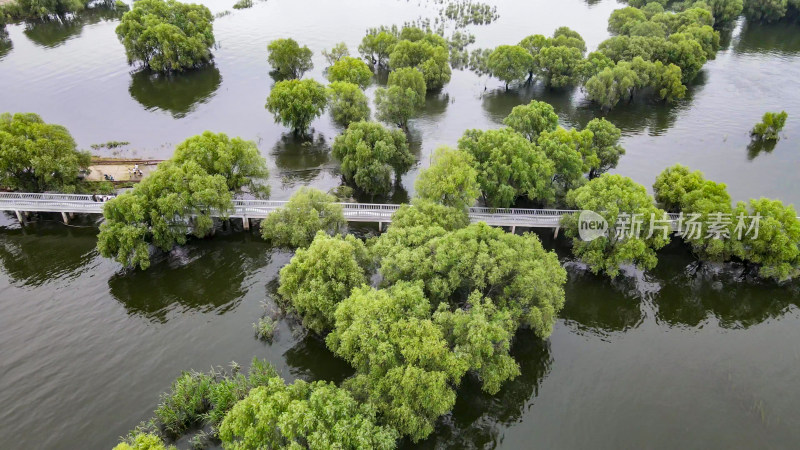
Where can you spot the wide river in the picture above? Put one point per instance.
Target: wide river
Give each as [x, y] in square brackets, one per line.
[686, 355]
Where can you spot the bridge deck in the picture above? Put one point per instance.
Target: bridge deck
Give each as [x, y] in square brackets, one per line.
[259, 209]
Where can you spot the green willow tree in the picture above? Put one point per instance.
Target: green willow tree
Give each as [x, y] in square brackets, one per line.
[347, 103]
[532, 119]
[509, 166]
[403, 97]
[621, 202]
[510, 63]
[429, 55]
[350, 70]
[322, 275]
[377, 45]
[402, 361]
[303, 415]
[451, 179]
[308, 211]
[771, 124]
[166, 35]
[370, 154]
[776, 248]
[701, 201]
[36, 156]
[288, 59]
[167, 205]
[180, 197]
[237, 160]
[296, 103]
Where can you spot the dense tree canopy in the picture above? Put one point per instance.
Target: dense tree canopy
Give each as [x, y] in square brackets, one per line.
[513, 270]
[167, 35]
[288, 59]
[403, 96]
[351, 70]
[321, 276]
[510, 63]
[308, 211]
[237, 160]
[560, 65]
[509, 166]
[622, 203]
[605, 144]
[377, 45]
[347, 103]
[370, 153]
[701, 201]
[532, 119]
[296, 103]
[776, 248]
[429, 54]
[315, 415]
[572, 153]
[36, 156]
[403, 363]
[162, 210]
[451, 179]
[180, 197]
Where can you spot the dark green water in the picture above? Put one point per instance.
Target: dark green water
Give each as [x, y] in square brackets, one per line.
[684, 356]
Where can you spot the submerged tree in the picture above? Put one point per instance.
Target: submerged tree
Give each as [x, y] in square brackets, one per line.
[771, 124]
[510, 63]
[308, 211]
[402, 361]
[432, 59]
[350, 70]
[509, 166]
[313, 415]
[377, 45]
[532, 119]
[296, 103]
[629, 212]
[161, 210]
[321, 276]
[288, 59]
[336, 53]
[166, 35]
[36, 156]
[370, 154]
[451, 179]
[347, 103]
[775, 244]
[237, 160]
[402, 98]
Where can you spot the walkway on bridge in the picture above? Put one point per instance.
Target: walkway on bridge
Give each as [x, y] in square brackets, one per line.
[68, 204]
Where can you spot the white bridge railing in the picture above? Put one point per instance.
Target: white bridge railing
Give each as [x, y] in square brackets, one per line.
[259, 209]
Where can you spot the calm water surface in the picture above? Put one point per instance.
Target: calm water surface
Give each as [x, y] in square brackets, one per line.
[685, 356]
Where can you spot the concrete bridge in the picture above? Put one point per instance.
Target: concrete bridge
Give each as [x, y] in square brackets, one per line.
[69, 205]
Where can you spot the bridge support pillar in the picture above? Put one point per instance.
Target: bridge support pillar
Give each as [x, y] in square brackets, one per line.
[65, 217]
[72, 215]
[555, 233]
[246, 223]
[380, 227]
[20, 217]
[513, 229]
